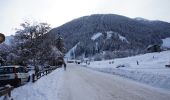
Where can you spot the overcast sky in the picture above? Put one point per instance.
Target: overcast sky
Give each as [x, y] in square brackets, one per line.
[58, 12]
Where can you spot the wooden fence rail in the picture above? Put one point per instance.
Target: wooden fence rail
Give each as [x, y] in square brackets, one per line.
[6, 92]
[42, 73]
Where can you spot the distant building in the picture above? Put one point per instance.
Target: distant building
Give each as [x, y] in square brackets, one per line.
[154, 48]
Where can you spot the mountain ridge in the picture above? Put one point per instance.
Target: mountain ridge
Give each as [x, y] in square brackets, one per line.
[139, 33]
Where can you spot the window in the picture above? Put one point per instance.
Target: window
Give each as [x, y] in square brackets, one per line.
[21, 70]
[6, 70]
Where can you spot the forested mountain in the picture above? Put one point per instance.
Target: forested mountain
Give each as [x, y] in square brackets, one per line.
[111, 33]
[96, 36]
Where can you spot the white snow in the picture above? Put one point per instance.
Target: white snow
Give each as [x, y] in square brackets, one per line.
[45, 88]
[122, 38]
[151, 69]
[79, 83]
[68, 54]
[109, 34]
[142, 19]
[95, 36]
[96, 47]
[166, 42]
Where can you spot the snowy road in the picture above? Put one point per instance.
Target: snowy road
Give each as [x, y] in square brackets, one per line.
[80, 83]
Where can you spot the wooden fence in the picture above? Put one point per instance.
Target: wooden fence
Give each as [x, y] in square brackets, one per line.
[6, 92]
[42, 73]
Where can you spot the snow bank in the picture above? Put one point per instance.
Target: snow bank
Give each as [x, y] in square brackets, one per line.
[148, 78]
[151, 69]
[45, 88]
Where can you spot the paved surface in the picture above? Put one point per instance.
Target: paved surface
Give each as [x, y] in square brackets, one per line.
[80, 83]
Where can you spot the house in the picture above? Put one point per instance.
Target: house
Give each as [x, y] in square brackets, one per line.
[154, 48]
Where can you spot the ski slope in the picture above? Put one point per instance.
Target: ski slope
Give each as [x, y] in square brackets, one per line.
[95, 36]
[151, 69]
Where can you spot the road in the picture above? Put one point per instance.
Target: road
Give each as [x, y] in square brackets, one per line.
[81, 83]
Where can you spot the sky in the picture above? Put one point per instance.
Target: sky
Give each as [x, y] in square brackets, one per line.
[58, 12]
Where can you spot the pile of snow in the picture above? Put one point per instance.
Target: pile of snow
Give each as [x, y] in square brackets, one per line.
[45, 88]
[148, 68]
[95, 36]
[166, 42]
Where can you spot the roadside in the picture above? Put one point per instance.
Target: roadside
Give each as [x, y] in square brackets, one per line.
[45, 88]
[80, 83]
[148, 68]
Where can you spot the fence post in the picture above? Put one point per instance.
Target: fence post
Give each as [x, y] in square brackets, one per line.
[6, 92]
[33, 78]
[46, 71]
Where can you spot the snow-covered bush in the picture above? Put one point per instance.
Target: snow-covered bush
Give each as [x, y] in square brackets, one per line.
[109, 55]
[98, 57]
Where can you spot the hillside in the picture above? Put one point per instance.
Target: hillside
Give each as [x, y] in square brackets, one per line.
[108, 32]
[148, 68]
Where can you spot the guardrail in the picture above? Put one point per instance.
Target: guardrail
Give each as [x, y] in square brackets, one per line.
[42, 73]
[6, 92]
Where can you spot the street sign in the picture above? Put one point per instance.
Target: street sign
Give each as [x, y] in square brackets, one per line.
[2, 37]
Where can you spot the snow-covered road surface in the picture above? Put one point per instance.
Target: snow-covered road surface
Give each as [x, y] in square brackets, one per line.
[79, 83]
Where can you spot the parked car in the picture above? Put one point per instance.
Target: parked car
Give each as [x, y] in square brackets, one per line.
[30, 68]
[13, 75]
[70, 61]
[77, 61]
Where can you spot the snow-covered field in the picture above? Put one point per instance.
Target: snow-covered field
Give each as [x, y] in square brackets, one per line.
[45, 88]
[166, 42]
[150, 68]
